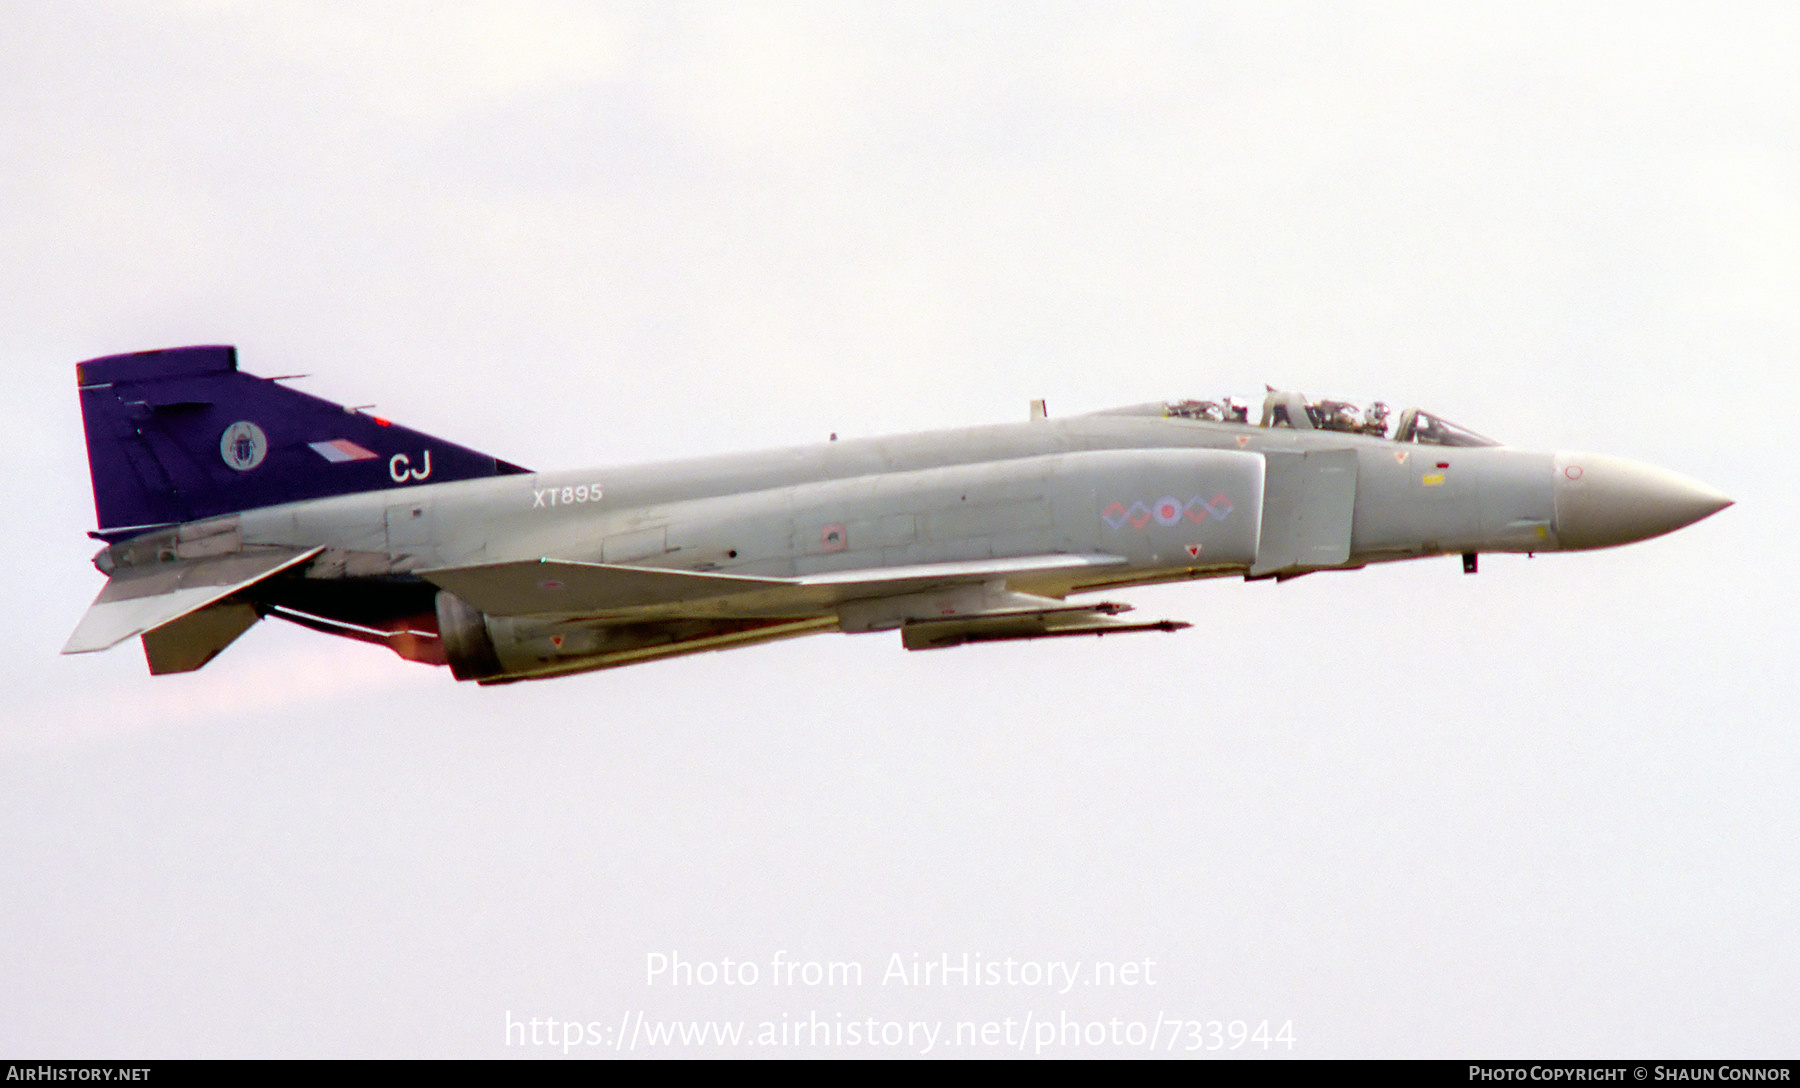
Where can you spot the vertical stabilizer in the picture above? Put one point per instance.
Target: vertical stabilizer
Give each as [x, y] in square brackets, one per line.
[183, 434]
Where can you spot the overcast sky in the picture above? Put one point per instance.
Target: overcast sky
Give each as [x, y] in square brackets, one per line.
[1545, 811]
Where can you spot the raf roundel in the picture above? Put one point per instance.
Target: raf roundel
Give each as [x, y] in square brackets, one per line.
[243, 445]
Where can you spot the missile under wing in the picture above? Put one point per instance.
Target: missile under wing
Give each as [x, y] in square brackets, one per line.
[225, 498]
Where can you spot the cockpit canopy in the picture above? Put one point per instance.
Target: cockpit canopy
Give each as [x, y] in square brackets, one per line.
[1418, 425]
[1294, 410]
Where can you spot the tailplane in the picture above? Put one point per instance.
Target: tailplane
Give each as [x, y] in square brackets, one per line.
[182, 434]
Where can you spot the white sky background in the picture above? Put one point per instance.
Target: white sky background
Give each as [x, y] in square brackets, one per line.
[1545, 811]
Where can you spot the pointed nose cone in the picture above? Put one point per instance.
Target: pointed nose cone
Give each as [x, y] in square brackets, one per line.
[1603, 501]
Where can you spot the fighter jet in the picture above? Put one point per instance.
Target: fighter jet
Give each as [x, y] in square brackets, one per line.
[224, 498]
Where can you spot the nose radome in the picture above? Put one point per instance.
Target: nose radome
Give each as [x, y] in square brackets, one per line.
[1603, 501]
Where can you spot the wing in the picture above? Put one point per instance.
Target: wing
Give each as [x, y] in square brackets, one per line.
[551, 587]
[658, 612]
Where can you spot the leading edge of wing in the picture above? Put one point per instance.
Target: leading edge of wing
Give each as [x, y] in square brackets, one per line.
[546, 587]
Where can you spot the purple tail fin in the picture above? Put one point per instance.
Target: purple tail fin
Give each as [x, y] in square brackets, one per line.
[182, 434]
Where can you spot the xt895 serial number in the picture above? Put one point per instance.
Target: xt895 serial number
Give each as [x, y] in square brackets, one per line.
[565, 496]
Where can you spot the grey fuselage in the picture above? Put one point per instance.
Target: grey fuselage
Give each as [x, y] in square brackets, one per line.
[1013, 489]
[994, 526]
[986, 492]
